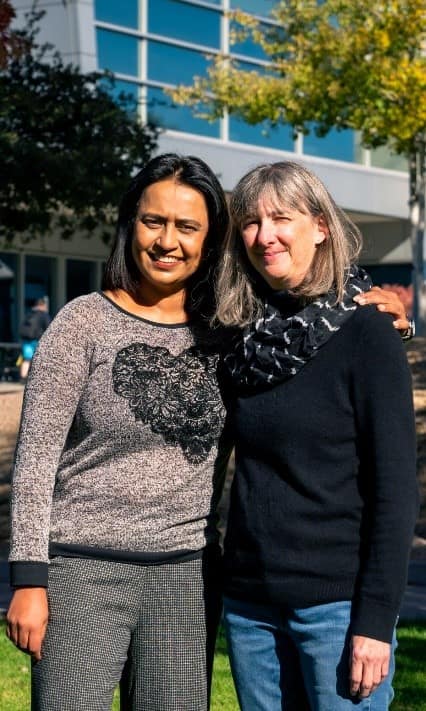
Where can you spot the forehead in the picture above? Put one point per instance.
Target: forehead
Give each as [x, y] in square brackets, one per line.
[271, 201]
[170, 194]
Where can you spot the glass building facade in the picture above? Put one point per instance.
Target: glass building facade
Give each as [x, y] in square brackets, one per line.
[151, 45]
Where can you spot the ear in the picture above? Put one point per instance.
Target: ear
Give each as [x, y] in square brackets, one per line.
[322, 231]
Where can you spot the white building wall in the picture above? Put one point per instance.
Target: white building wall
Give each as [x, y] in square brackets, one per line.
[376, 199]
[69, 26]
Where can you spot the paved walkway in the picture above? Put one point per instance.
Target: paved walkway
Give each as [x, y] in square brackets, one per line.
[414, 604]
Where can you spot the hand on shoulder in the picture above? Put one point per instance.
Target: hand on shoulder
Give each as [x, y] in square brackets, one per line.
[388, 302]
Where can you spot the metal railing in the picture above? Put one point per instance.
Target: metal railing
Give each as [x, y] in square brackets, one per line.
[9, 367]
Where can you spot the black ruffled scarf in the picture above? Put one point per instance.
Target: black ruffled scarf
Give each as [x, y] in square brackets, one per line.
[276, 347]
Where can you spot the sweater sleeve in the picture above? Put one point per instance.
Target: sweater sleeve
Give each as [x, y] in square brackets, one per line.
[387, 445]
[56, 380]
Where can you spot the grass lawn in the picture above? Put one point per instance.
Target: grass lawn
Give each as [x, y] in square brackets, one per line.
[410, 679]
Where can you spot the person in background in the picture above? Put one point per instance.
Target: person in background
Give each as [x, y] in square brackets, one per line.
[324, 497]
[32, 328]
[120, 463]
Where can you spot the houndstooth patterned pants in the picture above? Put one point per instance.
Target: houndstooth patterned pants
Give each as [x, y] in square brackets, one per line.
[154, 627]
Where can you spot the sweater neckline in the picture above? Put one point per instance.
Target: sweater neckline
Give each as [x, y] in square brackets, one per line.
[156, 324]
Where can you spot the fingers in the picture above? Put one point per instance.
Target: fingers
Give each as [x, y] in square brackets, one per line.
[28, 638]
[27, 620]
[387, 302]
[369, 665]
[401, 324]
[35, 641]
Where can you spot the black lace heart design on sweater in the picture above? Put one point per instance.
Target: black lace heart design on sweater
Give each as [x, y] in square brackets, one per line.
[178, 396]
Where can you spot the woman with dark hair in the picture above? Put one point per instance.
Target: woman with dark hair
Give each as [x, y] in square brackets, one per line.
[114, 551]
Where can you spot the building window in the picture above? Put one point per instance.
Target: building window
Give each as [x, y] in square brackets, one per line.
[255, 7]
[390, 274]
[117, 52]
[163, 112]
[39, 281]
[338, 145]
[279, 137]
[184, 22]
[174, 65]
[384, 158]
[247, 47]
[8, 297]
[127, 94]
[80, 278]
[117, 13]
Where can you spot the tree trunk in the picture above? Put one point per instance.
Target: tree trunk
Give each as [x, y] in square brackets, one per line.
[418, 237]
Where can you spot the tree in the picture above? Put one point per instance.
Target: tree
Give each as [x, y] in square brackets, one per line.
[343, 64]
[12, 43]
[68, 147]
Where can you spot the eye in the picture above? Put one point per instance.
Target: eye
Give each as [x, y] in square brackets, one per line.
[281, 218]
[151, 222]
[187, 228]
[249, 224]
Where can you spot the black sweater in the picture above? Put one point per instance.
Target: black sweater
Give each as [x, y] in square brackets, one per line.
[325, 498]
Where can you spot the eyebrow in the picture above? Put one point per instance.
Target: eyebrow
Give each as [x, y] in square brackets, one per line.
[162, 218]
[273, 213]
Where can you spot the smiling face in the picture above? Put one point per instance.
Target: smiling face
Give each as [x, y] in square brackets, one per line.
[281, 243]
[170, 229]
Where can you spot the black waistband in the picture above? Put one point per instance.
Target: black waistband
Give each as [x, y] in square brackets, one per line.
[123, 556]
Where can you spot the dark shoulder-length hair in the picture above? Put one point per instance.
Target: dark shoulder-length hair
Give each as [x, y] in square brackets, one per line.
[121, 272]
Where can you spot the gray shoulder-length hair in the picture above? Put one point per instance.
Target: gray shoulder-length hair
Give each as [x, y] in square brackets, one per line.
[284, 184]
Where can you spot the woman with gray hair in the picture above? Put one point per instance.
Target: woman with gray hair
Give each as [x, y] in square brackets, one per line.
[324, 498]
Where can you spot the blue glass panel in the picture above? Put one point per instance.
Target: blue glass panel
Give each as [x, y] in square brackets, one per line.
[118, 13]
[174, 65]
[384, 158]
[261, 134]
[185, 22]
[117, 52]
[162, 112]
[255, 7]
[338, 145]
[9, 287]
[39, 279]
[126, 93]
[247, 47]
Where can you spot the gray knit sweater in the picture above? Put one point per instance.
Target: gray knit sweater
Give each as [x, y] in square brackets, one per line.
[118, 442]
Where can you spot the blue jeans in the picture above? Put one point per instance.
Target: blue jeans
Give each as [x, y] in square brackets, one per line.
[295, 659]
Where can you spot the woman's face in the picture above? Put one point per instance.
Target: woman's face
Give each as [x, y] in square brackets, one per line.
[170, 229]
[281, 243]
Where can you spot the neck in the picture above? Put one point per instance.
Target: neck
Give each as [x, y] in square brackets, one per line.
[162, 308]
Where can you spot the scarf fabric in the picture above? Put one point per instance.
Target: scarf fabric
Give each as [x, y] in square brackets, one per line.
[276, 347]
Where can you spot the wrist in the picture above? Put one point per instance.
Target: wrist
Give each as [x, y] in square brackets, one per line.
[409, 332]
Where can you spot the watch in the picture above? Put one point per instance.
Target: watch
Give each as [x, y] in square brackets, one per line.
[409, 332]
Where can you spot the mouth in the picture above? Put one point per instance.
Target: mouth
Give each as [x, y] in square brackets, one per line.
[271, 256]
[164, 259]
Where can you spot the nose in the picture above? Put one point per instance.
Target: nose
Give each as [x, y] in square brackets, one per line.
[167, 238]
[265, 233]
